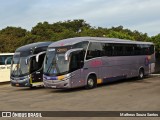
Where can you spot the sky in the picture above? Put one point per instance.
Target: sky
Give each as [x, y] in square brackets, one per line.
[141, 15]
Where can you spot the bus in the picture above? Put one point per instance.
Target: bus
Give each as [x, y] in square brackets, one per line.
[5, 66]
[88, 61]
[26, 67]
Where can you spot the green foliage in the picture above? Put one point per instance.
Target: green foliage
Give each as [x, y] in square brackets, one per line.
[14, 37]
[156, 41]
[121, 35]
[93, 32]
[10, 38]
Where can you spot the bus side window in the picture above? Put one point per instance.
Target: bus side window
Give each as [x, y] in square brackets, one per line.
[36, 65]
[107, 49]
[1, 62]
[77, 61]
[9, 59]
[74, 63]
[137, 50]
[151, 49]
[118, 50]
[3, 58]
[41, 59]
[94, 50]
[83, 45]
[144, 49]
[129, 50]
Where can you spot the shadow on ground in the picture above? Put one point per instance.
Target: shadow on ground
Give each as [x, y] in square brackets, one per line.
[131, 80]
[28, 88]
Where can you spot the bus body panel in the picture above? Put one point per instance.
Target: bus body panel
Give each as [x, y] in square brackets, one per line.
[92, 67]
[76, 79]
[4, 73]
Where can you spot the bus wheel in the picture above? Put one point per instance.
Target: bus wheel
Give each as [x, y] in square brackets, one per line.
[141, 74]
[91, 82]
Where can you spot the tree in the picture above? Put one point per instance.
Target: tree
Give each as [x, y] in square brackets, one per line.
[13, 37]
[156, 41]
[75, 25]
[120, 35]
[43, 30]
[10, 38]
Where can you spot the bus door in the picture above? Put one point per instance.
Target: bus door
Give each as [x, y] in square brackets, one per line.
[36, 70]
[77, 62]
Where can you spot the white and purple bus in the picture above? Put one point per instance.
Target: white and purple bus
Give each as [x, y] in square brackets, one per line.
[88, 61]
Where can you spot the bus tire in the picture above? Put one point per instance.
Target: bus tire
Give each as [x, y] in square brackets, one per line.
[91, 82]
[141, 74]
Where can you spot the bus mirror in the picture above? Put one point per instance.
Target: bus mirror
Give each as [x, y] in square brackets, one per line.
[28, 59]
[66, 57]
[26, 62]
[37, 56]
[67, 54]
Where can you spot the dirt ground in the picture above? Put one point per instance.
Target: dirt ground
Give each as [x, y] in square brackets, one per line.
[125, 95]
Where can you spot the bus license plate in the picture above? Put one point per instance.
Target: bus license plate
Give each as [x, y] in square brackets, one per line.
[17, 84]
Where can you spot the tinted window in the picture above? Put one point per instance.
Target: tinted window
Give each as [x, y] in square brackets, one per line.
[94, 50]
[107, 49]
[118, 50]
[137, 50]
[25, 53]
[81, 45]
[128, 50]
[4, 57]
[77, 61]
[144, 49]
[40, 49]
[151, 49]
[36, 65]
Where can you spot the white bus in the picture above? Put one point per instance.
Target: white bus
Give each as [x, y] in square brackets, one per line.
[5, 65]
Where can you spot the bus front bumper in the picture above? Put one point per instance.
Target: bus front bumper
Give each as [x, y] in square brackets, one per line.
[21, 82]
[49, 83]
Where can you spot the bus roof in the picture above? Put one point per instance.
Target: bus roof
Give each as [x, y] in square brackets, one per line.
[6, 53]
[33, 46]
[71, 41]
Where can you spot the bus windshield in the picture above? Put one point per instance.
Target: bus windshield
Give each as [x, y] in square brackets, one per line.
[19, 67]
[55, 63]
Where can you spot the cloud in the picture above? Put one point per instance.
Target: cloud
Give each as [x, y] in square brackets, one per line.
[133, 14]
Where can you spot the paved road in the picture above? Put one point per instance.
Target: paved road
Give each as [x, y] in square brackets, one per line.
[130, 95]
